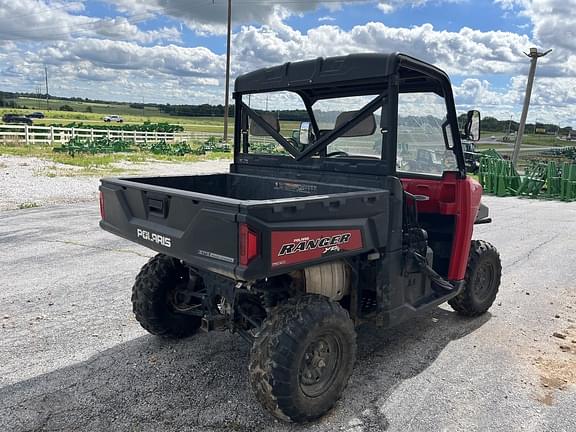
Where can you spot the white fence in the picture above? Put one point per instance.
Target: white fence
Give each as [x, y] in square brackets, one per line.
[32, 135]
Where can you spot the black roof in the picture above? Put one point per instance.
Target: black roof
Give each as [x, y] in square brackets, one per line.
[338, 72]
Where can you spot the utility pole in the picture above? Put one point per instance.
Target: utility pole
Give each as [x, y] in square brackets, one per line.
[46, 78]
[534, 55]
[226, 101]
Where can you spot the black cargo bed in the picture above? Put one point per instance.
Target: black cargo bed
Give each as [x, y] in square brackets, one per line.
[197, 218]
[244, 187]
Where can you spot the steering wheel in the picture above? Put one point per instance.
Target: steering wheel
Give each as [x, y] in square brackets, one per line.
[337, 153]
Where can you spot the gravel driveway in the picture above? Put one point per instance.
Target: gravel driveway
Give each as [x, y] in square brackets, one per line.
[72, 357]
[33, 182]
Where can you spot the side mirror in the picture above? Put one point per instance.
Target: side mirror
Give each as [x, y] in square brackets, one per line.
[472, 127]
[304, 133]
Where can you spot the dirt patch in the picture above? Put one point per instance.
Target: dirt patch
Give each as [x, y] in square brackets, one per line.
[557, 368]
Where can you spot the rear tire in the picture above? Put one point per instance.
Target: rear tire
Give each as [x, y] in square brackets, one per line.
[482, 280]
[154, 298]
[302, 358]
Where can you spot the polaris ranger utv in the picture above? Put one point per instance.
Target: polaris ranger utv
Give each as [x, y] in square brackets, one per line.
[305, 239]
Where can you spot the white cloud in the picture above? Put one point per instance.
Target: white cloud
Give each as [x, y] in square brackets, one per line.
[386, 7]
[389, 6]
[31, 20]
[467, 51]
[209, 17]
[326, 18]
[550, 103]
[170, 60]
[553, 22]
[120, 28]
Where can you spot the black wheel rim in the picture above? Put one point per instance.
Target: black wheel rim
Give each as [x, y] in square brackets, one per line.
[483, 281]
[320, 364]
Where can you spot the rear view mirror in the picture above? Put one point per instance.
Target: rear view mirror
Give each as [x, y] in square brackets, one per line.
[472, 127]
[304, 135]
[270, 118]
[366, 127]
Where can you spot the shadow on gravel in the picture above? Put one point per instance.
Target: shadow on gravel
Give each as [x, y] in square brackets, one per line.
[201, 383]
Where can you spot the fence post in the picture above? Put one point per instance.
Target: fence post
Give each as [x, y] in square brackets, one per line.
[91, 134]
[51, 134]
[146, 137]
[122, 134]
[26, 136]
[108, 133]
[134, 137]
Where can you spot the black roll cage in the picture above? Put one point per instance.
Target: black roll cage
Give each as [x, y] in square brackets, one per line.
[410, 76]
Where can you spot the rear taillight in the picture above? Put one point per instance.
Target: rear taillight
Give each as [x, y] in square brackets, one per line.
[248, 244]
[102, 214]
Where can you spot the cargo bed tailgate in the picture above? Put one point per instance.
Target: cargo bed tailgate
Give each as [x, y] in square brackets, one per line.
[195, 227]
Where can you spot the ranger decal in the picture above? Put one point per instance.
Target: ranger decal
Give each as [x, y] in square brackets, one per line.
[291, 247]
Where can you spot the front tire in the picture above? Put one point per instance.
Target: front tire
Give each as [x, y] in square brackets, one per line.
[302, 358]
[482, 280]
[160, 296]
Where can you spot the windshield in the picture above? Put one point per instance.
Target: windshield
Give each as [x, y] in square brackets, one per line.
[421, 127]
[277, 121]
[368, 143]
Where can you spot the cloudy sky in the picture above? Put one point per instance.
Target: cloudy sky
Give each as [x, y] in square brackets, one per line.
[174, 50]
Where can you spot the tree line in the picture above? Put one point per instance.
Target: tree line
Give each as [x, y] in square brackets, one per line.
[491, 124]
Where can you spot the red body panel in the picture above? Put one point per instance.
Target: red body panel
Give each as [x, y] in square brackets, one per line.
[292, 247]
[451, 196]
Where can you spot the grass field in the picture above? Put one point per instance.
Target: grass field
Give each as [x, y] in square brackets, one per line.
[94, 164]
[528, 139]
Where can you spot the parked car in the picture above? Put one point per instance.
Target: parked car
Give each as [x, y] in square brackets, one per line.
[113, 118]
[16, 118]
[36, 115]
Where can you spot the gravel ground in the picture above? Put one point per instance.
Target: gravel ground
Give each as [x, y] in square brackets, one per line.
[72, 357]
[33, 182]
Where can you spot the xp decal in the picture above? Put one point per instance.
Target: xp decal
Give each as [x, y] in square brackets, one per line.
[291, 247]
